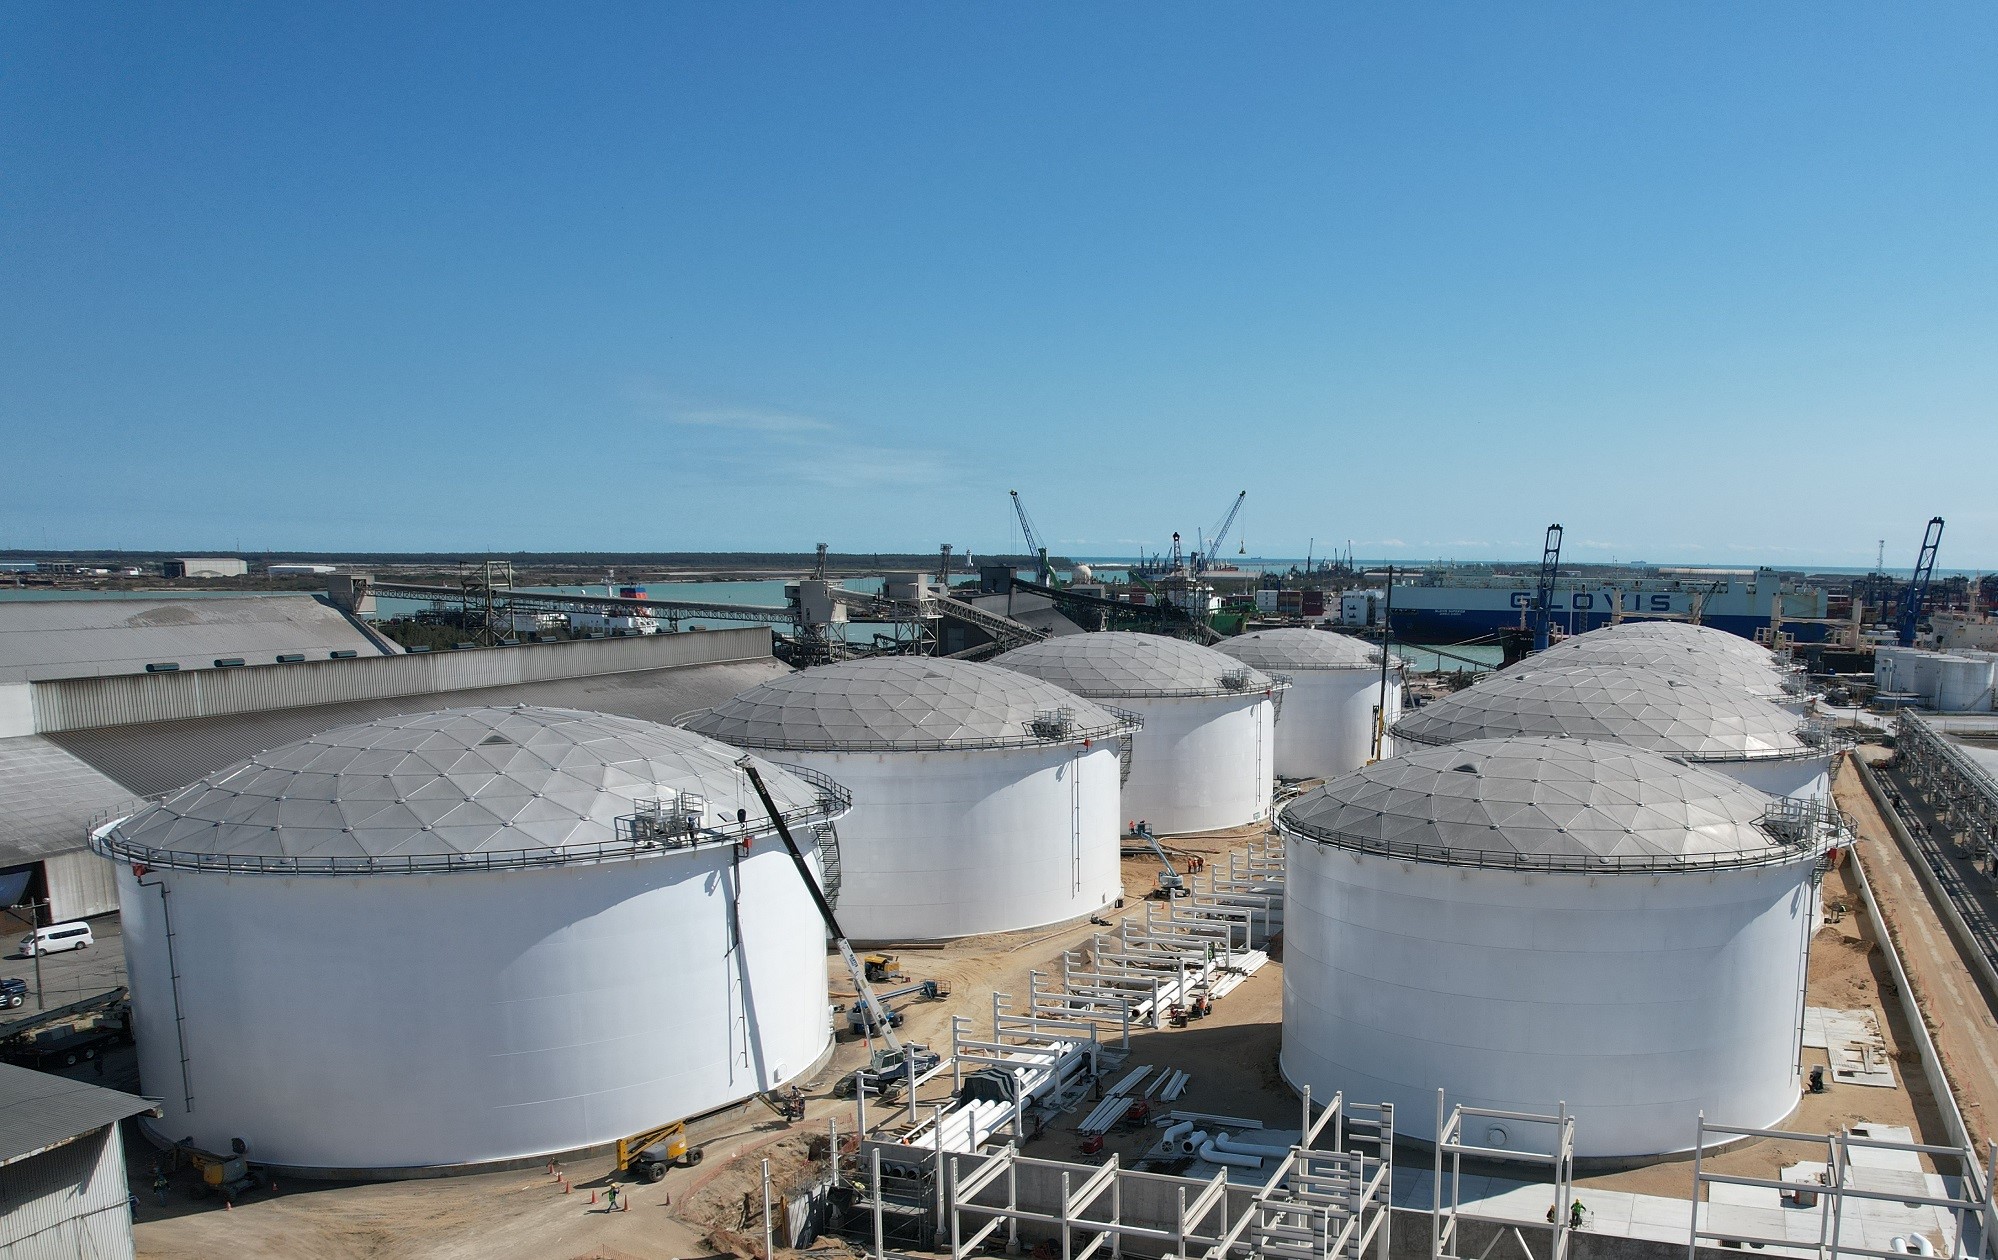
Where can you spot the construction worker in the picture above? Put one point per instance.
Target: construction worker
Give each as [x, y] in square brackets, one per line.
[611, 1194]
[160, 1186]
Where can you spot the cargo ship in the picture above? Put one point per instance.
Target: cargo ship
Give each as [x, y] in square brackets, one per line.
[1460, 606]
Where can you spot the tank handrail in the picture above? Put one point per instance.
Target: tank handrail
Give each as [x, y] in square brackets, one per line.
[1778, 854]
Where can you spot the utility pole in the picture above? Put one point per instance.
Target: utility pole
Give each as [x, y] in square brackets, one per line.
[35, 908]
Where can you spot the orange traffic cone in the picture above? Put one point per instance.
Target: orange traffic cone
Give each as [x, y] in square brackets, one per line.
[593, 1197]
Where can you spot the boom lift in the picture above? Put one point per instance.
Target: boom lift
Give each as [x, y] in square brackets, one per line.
[876, 1017]
[1543, 597]
[1171, 883]
[1918, 587]
[651, 1153]
[1044, 573]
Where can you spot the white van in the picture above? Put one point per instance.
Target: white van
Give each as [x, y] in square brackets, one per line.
[56, 939]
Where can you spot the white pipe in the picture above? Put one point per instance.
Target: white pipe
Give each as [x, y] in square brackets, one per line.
[1191, 1142]
[1912, 1244]
[1178, 1131]
[1222, 1142]
[1212, 1156]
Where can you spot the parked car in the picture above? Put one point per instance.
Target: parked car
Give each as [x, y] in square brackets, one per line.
[13, 992]
[56, 938]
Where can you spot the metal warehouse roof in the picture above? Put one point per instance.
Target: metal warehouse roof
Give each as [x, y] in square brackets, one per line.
[1294, 648]
[1681, 717]
[76, 638]
[1542, 803]
[461, 789]
[906, 703]
[1689, 660]
[1118, 664]
[39, 1110]
[46, 799]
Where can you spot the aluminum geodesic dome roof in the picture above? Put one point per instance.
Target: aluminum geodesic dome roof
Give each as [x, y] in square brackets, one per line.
[460, 789]
[1666, 654]
[906, 703]
[1703, 638]
[1542, 803]
[1119, 664]
[1687, 718]
[1291, 649]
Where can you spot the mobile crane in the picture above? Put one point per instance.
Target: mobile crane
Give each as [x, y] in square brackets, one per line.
[876, 1018]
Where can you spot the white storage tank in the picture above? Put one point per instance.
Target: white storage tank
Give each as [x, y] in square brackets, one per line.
[983, 800]
[1963, 684]
[1205, 759]
[1763, 679]
[471, 936]
[1685, 718]
[1525, 922]
[1326, 726]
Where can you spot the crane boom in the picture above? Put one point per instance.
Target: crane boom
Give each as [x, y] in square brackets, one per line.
[866, 991]
[1044, 573]
[1543, 597]
[1918, 586]
[1213, 544]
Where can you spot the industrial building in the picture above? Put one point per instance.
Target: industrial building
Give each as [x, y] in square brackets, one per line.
[1683, 717]
[1525, 922]
[984, 800]
[469, 936]
[63, 1191]
[204, 567]
[79, 748]
[1206, 757]
[1339, 698]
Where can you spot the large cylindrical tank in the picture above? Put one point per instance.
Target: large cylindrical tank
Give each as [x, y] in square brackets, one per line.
[466, 937]
[983, 800]
[1526, 922]
[1682, 716]
[1704, 638]
[1326, 724]
[1963, 684]
[1205, 759]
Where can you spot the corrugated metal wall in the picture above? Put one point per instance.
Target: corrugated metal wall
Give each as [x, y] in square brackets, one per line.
[82, 703]
[69, 1203]
[81, 884]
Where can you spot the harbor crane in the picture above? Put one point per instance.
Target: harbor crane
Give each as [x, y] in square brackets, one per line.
[1213, 544]
[1543, 596]
[1918, 586]
[1044, 572]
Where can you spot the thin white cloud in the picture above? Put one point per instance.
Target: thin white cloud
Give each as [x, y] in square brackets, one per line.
[749, 420]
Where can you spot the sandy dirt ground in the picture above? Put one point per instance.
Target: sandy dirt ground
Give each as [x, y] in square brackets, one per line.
[527, 1216]
[1958, 1016]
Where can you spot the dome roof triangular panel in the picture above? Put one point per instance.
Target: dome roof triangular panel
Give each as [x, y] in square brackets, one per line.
[1681, 717]
[902, 703]
[1644, 810]
[1119, 664]
[1295, 649]
[432, 785]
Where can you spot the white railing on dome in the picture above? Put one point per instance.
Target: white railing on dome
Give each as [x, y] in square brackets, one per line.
[1511, 860]
[1126, 724]
[637, 835]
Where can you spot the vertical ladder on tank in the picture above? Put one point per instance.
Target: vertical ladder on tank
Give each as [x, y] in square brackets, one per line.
[1075, 826]
[827, 840]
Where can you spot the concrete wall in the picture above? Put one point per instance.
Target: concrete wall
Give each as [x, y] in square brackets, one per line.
[81, 703]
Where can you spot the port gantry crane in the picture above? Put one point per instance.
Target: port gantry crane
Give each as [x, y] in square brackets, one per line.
[1543, 596]
[1918, 587]
[1043, 572]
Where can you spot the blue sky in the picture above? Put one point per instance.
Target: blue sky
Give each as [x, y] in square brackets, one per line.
[1706, 283]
